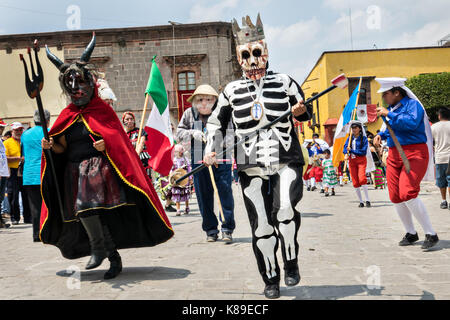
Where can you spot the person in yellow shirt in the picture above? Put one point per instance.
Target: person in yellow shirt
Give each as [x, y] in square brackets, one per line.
[13, 154]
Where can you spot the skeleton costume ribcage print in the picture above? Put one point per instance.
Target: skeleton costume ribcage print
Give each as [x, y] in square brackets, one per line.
[270, 165]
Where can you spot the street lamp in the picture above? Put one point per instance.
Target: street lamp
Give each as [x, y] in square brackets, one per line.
[173, 23]
[173, 45]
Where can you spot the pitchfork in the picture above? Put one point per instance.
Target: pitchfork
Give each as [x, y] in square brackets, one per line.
[34, 88]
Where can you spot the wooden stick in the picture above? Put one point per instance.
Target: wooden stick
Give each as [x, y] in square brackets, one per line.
[398, 146]
[213, 181]
[142, 121]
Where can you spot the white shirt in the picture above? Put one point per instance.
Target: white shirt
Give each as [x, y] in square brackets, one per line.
[4, 170]
[441, 136]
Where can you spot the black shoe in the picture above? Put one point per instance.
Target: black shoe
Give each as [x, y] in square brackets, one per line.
[170, 209]
[272, 291]
[444, 204]
[327, 194]
[308, 189]
[4, 225]
[313, 189]
[292, 277]
[368, 205]
[430, 241]
[361, 205]
[115, 266]
[212, 238]
[408, 239]
[333, 193]
[227, 237]
[322, 191]
[96, 259]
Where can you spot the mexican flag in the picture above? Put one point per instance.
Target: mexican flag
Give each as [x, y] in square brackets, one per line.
[343, 128]
[160, 140]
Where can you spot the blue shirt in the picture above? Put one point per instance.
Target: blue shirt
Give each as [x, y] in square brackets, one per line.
[32, 152]
[360, 144]
[316, 149]
[407, 123]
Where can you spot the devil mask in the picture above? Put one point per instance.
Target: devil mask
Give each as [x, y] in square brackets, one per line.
[251, 49]
[76, 79]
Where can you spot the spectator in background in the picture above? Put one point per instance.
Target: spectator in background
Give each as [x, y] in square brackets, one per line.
[4, 173]
[7, 135]
[13, 154]
[32, 153]
[441, 136]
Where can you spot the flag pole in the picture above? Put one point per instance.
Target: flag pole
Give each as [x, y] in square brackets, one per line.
[142, 121]
[353, 118]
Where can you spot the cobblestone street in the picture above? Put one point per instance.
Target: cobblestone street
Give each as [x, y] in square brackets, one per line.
[343, 251]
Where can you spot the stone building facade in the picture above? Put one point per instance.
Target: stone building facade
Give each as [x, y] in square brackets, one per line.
[187, 55]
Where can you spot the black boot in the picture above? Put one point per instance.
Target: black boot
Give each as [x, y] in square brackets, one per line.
[94, 230]
[115, 267]
[292, 277]
[272, 291]
[96, 259]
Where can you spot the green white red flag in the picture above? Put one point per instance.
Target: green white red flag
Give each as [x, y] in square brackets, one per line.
[160, 140]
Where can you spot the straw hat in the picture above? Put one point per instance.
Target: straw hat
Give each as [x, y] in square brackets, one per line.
[203, 89]
[177, 174]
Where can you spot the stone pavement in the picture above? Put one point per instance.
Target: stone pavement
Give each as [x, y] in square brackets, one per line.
[345, 253]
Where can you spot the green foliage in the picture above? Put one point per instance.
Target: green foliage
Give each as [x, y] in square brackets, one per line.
[433, 90]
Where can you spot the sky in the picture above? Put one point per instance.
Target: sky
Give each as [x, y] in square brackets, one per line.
[297, 32]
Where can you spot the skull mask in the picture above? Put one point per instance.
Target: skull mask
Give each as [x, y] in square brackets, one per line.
[76, 79]
[253, 58]
[251, 49]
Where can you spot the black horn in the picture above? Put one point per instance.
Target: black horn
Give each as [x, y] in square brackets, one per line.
[88, 51]
[54, 59]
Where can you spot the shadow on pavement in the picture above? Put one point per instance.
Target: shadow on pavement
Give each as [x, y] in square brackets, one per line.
[315, 215]
[246, 240]
[441, 245]
[130, 275]
[339, 292]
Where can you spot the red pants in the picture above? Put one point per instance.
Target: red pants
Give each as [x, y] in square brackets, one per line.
[402, 186]
[357, 167]
[308, 173]
[316, 173]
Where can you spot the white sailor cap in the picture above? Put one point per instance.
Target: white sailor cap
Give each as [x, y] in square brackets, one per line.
[389, 83]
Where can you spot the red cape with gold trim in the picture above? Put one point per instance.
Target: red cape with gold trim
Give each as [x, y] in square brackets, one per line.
[142, 225]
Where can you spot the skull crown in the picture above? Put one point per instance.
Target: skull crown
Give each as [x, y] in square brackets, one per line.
[249, 32]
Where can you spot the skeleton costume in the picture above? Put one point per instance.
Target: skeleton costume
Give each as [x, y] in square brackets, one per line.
[270, 165]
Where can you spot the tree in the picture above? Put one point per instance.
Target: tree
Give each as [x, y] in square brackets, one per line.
[433, 90]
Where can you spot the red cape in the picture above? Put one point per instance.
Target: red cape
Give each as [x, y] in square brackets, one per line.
[103, 123]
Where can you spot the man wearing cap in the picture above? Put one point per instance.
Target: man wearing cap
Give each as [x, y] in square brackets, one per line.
[191, 131]
[13, 154]
[32, 153]
[4, 172]
[409, 121]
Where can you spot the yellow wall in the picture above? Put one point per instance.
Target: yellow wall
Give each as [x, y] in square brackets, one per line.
[15, 105]
[376, 63]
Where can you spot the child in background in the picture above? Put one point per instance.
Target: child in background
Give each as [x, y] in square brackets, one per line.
[179, 193]
[235, 171]
[329, 174]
